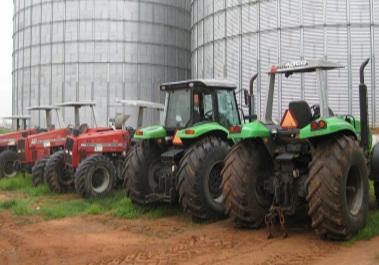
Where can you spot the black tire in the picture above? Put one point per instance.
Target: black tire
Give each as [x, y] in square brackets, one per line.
[8, 159]
[338, 188]
[199, 178]
[95, 177]
[136, 171]
[247, 165]
[39, 171]
[56, 176]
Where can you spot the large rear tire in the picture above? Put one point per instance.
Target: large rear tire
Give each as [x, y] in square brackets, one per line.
[247, 165]
[338, 188]
[95, 177]
[136, 171]
[56, 176]
[199, 179]
[7, 161]
[39, 171]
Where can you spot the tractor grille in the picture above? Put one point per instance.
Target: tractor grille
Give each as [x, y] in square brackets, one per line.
[21, 150]
[68, 150]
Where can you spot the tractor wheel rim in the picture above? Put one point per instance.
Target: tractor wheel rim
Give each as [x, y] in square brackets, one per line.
[354, 191]
[215, 180]
[65, 178]
[153, 175]
[100, 179]
[9, 169]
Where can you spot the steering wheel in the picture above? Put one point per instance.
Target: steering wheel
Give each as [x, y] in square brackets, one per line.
[208, 114]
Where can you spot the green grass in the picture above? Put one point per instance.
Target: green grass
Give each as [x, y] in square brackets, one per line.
[23, 208]
[164, 211]
[125, 209]
[17, 183]
[41, 201]
[17, 206]
[8, 204]
[24, 186]
[94, 209]
[371, 228]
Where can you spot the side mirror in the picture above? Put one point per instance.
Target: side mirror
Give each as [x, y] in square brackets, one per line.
[246, 96]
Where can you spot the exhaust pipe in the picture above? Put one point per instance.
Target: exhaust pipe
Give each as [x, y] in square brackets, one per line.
[363, 107]
[252, 116]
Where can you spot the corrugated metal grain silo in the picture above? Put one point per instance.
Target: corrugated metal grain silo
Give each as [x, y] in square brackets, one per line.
[100, 50]
[236, 38]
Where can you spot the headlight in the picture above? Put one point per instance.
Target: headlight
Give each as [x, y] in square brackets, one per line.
[66, 151]
[70, 153]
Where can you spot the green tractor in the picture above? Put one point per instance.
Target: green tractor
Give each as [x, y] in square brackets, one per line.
[182, 160]
[312, 156]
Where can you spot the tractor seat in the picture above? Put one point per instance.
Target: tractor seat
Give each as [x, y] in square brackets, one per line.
[302, 112]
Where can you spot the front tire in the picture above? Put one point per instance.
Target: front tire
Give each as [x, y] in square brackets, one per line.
[7, 161]
[39, 171]
[136, 171]
[338, 188]
[247, 165]
[56, 176]
[199, 178]
[95, 177]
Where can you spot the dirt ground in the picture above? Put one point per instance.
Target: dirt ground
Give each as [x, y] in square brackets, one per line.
[103, 239]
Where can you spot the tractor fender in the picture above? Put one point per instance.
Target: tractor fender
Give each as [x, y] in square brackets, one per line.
[374, 166]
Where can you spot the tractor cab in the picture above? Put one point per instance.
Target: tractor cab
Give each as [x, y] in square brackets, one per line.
[194, 102]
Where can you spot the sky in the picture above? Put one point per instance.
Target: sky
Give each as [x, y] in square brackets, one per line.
[6, 43]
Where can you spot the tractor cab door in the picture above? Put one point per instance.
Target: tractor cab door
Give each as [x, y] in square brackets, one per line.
[203, 109]
[178, 114]
[227, 108]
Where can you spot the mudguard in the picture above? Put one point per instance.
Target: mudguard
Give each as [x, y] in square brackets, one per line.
[151, 132]
[201, 129]
[374, 166]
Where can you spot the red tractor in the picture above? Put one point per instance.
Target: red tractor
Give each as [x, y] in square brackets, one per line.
[35, 150]
[8, 146]
[93, 161]
[31, 148]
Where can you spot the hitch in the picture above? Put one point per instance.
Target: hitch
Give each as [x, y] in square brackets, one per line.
[277, 211]
[270, 222]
